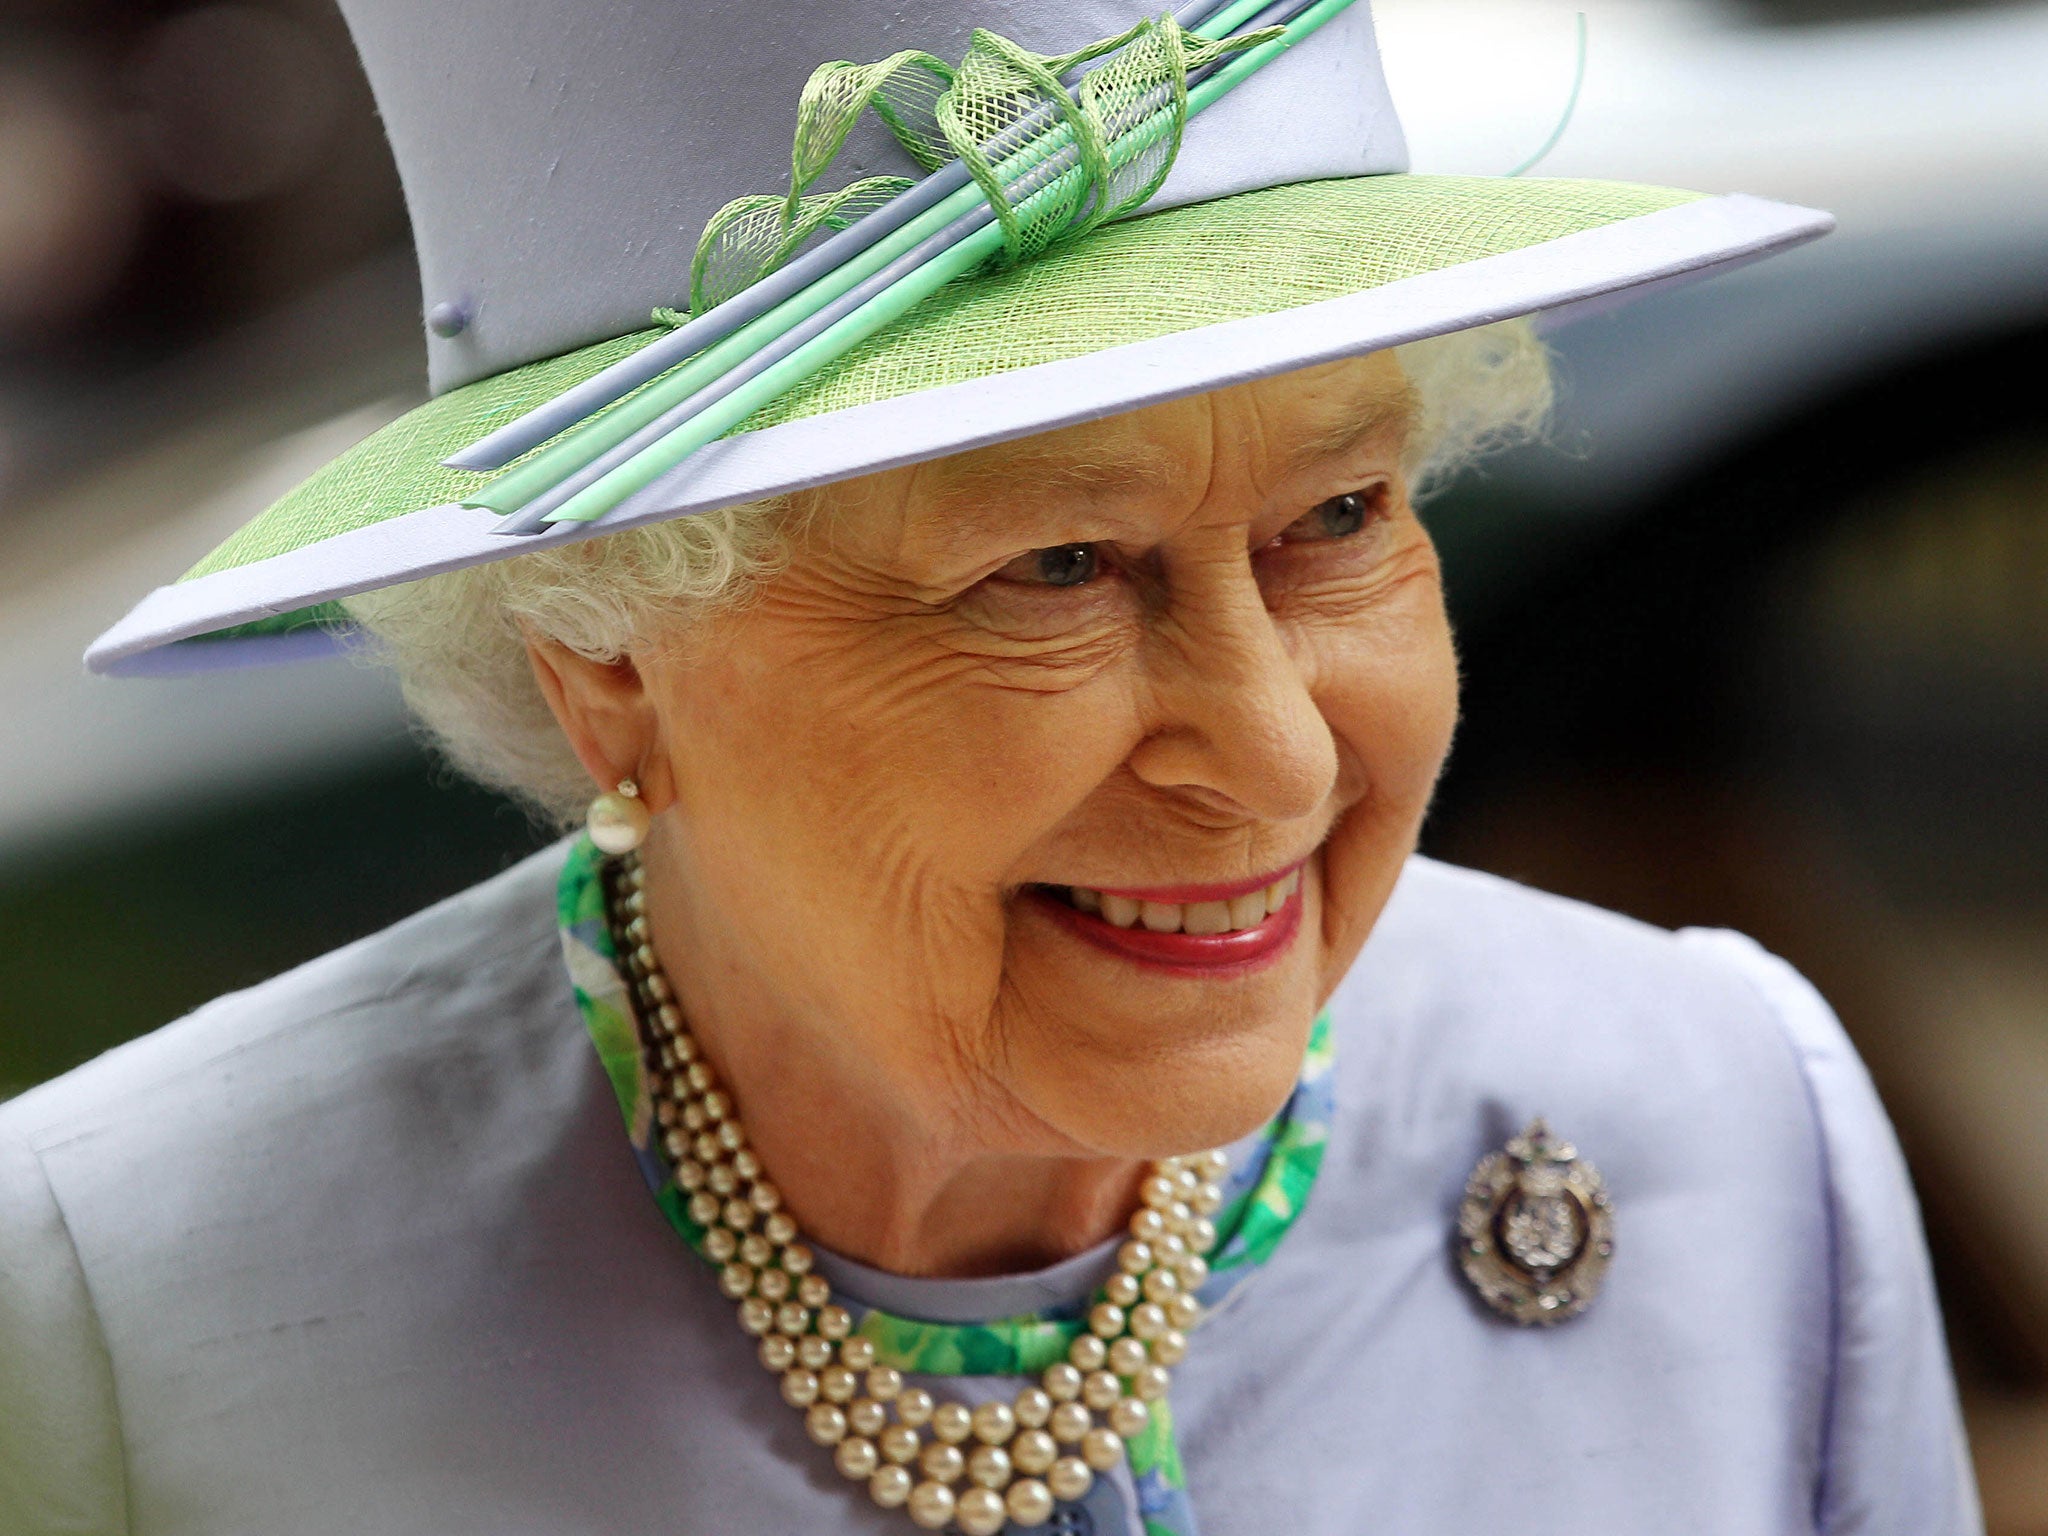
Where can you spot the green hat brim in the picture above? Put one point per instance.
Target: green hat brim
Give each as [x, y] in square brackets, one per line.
[1207, 264]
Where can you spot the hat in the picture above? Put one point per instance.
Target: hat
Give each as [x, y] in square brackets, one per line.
[580, 172]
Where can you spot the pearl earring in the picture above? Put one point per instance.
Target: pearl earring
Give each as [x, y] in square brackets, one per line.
[619, 820]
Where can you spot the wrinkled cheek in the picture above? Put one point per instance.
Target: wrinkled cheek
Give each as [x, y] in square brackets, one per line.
[1427, 683]
[1390, 696]
[914, 799]
[1435, 709]
[945, 959]
[1393, 707]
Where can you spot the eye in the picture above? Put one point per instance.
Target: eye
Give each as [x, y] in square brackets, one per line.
[1063, 565]
[1339, 517]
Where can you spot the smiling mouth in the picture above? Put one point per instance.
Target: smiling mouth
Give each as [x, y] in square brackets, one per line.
[1185, 929]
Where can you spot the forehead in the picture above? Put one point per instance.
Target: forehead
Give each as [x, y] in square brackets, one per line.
[1284, 423]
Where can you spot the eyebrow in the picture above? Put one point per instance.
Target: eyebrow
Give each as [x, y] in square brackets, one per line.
[1011, 488]
[1114, 470]
[1369, 418]
[979, 490]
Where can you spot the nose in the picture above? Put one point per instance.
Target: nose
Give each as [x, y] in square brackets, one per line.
[1233, 721]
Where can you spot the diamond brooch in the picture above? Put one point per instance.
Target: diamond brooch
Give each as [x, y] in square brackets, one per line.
[1535, 1229]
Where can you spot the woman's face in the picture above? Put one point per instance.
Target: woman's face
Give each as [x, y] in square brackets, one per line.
[1187, 657]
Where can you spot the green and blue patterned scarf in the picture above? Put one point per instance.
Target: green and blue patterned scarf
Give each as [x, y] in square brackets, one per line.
[1268, 1185]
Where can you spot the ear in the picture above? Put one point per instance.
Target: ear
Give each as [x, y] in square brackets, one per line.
[604, 709]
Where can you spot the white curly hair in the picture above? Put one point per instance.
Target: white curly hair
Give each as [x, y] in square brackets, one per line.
[458, 641]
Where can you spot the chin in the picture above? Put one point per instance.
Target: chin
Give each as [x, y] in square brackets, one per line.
[1149, 1046]
[1231, 1100]
[1126, 1080]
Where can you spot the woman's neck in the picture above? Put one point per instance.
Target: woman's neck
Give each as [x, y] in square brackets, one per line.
[958, 1218]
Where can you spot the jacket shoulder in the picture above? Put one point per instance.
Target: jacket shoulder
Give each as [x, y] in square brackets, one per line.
[276, 1043]
[1725, 1106]
[1514, 983]
[368, 1181]
[61, 1452]
[400, 1066]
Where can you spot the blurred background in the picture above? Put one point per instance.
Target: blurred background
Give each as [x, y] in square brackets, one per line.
[1760, 638]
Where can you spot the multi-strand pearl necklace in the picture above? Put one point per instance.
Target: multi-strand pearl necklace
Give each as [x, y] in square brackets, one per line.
[978, 1468]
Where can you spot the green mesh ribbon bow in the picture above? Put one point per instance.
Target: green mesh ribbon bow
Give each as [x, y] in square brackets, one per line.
[1005, 115]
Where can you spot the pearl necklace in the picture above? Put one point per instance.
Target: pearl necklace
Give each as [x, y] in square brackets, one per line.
[1017, 1458]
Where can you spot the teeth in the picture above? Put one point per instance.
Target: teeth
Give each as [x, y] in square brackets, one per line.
[1200, 917]
[1160, 916]
[1279, 892]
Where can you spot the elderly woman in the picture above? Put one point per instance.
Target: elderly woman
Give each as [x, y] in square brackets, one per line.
[1066, 1100]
